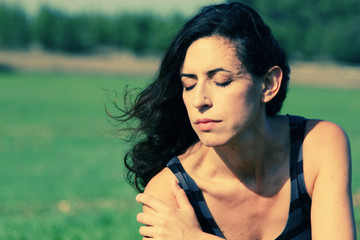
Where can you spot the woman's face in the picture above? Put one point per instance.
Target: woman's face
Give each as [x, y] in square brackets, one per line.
[221, 98]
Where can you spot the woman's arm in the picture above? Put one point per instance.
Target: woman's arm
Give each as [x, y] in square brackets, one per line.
[166, 221]
[332, 210]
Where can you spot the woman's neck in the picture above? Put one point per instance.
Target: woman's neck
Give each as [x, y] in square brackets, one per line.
[257, 155]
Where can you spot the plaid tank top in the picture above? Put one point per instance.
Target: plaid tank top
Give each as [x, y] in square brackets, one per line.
[298, 225]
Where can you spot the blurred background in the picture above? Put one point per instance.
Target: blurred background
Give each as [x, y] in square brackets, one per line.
[62, 62]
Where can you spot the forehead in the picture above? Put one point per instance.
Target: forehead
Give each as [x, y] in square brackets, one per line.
[209, 53]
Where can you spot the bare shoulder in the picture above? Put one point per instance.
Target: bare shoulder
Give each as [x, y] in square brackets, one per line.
[325, 137]
[160, 187]
[321, 128]
[326, 151]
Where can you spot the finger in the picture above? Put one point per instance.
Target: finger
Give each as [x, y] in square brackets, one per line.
[147, 219]
[153, 203]
[180, 196]
[147, 231]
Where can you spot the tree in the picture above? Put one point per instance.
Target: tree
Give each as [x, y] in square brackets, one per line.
[14, 28]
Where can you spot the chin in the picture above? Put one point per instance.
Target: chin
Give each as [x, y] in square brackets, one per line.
[213, 141]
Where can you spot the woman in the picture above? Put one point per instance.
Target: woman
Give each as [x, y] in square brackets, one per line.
[210, 122]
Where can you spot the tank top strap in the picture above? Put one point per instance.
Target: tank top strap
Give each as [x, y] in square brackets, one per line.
[297, 130]
[298, 226]
[297, 134]
[195, 197]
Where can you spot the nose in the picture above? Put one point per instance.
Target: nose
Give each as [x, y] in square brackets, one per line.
[202, 97]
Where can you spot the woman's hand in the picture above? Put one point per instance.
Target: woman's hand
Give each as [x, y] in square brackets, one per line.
[165, 222]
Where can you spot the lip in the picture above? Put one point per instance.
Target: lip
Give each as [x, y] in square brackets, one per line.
[206, 124]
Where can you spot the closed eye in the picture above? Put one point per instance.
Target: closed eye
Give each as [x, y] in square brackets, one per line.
[223, 84]
[188, 82]
[189, 88]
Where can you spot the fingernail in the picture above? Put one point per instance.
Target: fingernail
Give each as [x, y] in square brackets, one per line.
[176, 183]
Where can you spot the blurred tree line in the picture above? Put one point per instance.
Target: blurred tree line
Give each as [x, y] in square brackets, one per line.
[307, 29]
[81, 33]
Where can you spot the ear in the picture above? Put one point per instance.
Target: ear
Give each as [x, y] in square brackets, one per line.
[271, 85]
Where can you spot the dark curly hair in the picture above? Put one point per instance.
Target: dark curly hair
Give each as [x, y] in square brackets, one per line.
[159, 109]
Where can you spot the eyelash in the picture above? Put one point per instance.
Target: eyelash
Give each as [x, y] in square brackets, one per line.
[189, 88]
[224, 84]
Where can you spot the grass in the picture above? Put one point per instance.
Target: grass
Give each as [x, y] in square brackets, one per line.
[61, 173]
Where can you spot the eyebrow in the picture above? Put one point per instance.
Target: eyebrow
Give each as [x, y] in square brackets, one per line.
[208, 73]
[212, 72]
[187, 75]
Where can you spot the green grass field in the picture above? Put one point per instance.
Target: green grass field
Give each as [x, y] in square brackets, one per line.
[61, 173]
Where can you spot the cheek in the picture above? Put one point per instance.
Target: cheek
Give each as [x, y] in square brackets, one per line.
[241, 106]
[250, 97]
[234, 101]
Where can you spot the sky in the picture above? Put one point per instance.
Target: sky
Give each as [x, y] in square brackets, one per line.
[186, 7]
